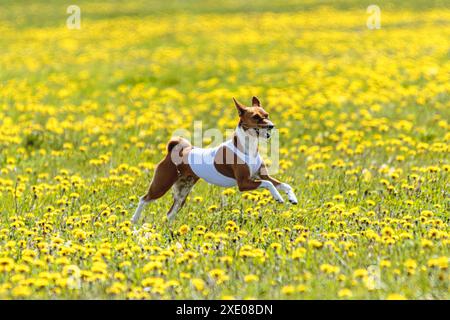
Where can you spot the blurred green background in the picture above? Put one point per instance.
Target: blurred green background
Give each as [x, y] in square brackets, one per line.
[49, 12]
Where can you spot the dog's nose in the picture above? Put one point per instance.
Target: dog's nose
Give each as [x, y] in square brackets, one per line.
[270, 126]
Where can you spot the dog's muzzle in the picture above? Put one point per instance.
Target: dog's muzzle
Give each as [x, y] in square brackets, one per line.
[264, 132]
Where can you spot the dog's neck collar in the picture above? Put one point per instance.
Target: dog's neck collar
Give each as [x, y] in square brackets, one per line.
[245, 142]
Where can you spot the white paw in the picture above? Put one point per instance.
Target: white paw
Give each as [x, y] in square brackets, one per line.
[277, 196]
[290, 193]
[292, 198]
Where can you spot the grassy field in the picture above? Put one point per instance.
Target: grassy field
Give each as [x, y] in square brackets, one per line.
[364, 125]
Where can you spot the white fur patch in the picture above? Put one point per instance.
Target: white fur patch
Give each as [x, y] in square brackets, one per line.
[247, 141]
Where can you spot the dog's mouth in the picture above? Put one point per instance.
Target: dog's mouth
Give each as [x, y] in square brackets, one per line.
[263, 132]
[259, 132]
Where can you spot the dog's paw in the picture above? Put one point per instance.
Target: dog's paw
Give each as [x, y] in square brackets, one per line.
[292, 198]
[279, 199]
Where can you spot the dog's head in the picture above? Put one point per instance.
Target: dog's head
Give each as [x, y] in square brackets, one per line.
[254, 119]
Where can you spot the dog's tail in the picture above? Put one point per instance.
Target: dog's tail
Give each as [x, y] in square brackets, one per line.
[177, 141]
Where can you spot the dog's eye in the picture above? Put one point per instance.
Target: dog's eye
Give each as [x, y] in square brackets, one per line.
[256, 117]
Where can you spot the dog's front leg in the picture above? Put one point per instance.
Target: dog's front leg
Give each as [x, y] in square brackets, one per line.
[288, 190]
[273, 190]
[264, 174]
[248, 185]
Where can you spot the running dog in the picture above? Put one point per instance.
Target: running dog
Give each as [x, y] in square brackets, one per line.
[234, 162]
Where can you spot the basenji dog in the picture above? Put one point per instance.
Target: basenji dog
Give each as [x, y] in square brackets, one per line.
[234, 162]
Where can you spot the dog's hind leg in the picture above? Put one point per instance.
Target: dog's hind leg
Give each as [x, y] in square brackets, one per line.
[181, 189]
[165, 176]
[140, 207]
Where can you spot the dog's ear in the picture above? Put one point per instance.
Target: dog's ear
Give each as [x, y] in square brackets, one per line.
[255, 102]
[241, 108]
